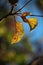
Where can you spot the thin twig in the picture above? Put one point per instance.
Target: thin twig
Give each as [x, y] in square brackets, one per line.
[28, 15]
[23, 6]
[11, 9]
[37, 15]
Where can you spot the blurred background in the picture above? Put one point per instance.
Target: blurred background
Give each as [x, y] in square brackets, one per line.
[31, 45]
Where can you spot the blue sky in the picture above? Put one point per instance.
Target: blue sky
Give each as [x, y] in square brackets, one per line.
[37, 33]
[31, 7]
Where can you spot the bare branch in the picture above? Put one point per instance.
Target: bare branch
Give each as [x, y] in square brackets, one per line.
[10, 13]
[23, 6]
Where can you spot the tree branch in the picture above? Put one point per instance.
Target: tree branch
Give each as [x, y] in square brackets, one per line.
[18, 15]
[11, 9]
[14, 12]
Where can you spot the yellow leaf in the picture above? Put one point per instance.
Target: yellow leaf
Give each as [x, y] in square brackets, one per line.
[18, 34]
[32, 22]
